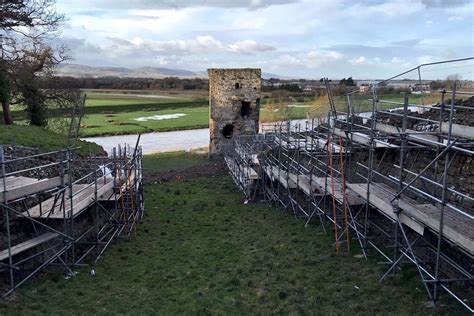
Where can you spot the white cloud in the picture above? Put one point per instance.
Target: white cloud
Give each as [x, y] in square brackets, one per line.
[250, 47]
[392, 9]
[443, 3]
[426, 59]
[316, 58]
[288, 60]
[289, 37]
[455, 18]
[360, 60]
[313, 59]
[139, 47]
[175, 4]
[397, 60]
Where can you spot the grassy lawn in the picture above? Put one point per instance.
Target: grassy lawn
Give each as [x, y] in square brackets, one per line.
[115, 112]
[97, 102]
[200, 250]
[270, 114]
[120, 98]
[319, 107]
[364, 103]
[37, 137]
[126, 123]
[174, 160]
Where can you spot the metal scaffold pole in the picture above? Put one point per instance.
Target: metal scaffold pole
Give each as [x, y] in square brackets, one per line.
[395, 185]
[74, 213]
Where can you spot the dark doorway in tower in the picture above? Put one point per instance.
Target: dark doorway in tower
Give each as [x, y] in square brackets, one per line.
[228, 130]
[245, 109]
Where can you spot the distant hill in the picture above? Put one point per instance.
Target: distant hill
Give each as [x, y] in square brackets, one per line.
[76, 70]
[81, 71]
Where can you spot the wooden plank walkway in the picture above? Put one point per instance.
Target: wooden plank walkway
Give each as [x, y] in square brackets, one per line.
[83, 197]
[308, 187]
[457, 228]
[248, 172]
[18, 187]
[109, 194]
[351, 197]
[282, 176]
[17, 249]
[416, 137]
[459, 130]
[380, 197]
[317, 185]
[253, 157]
[290, 143]
[364, 139]
[322, 142]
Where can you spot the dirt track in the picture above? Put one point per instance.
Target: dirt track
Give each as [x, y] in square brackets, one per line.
[210, 169]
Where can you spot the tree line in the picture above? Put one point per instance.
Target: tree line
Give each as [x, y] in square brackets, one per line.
[126, 83]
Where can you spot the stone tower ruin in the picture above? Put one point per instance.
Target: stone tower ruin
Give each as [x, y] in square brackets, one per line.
[234, 101]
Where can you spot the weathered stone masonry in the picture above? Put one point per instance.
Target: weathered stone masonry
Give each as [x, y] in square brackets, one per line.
[234, 101]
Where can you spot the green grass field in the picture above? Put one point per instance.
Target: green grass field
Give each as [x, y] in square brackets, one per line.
[200, 250]
[175, 160]
[43, 139]
[115, 112]
[126, 123]
[95, 98]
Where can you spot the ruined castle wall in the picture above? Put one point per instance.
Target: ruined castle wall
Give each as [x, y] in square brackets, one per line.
[460, 175]
[234, 101]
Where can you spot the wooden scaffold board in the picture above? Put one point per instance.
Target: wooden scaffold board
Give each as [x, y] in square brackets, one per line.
[83, 196]
[457, 228]
[17, 187]
[33, 242]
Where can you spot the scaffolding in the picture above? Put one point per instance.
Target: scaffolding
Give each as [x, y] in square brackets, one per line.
[62, 210]
[393, 176]
[243, 163]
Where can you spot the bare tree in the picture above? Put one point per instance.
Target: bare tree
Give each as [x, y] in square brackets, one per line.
[451, 80]
[28, 27]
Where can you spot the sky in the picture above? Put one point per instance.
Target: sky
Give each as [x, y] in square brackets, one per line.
[365, 39]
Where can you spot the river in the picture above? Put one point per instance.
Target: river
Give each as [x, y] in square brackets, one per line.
[164, 141]
[181, 140]
[157, 142]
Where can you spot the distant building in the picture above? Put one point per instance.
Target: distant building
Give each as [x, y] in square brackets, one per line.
[400, 85]
[419, 88]
[364, 87]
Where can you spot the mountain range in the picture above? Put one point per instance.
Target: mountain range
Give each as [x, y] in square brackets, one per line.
[83, 71]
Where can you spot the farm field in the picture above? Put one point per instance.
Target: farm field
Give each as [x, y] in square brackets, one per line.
[201, 250]
[319, 107]
[115, 114]
[111, 113]
[145, 121]
[100, 100]
[119, 112]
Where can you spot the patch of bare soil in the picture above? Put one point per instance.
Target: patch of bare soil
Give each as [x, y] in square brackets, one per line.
[210, 169]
